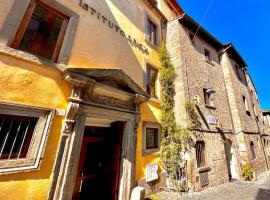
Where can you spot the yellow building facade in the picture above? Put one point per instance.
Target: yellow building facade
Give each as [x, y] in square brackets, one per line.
[73, 73]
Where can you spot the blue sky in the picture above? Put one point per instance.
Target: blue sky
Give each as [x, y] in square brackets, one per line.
[245, 23]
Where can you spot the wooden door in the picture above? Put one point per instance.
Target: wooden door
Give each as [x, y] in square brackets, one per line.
[99, 165]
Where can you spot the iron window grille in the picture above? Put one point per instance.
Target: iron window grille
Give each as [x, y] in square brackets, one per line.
[23, 135]
[200, 154]
[15, 135]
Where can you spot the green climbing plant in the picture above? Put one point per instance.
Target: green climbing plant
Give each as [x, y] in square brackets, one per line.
[174, 138]
[194, 122]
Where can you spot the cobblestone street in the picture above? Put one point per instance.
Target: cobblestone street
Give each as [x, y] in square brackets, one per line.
[236, 190]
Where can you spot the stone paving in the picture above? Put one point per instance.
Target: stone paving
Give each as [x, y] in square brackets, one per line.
[236, 190]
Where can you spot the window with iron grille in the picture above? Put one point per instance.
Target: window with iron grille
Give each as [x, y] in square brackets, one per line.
[15, 135]
[23, 135]
[200, 153]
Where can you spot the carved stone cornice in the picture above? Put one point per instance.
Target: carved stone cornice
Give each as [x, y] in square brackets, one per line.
[108, 101]
[80, 81]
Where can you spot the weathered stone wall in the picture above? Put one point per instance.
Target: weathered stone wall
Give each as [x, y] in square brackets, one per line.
[244, 123]
[194, 74]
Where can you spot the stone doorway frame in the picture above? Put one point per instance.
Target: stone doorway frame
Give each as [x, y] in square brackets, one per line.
[128, 152]
[80, 107]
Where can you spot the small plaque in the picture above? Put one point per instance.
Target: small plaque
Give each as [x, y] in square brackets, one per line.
[212, 120]
[204, 178]
[151, 172]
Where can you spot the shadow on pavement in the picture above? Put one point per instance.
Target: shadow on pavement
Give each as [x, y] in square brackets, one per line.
[263, 194]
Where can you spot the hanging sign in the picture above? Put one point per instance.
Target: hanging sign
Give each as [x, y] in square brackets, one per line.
[106, 21]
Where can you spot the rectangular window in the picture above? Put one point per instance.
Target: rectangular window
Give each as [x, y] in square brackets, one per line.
[152, 32]
[238, 72]
[191, 38]
[41, 31]
[15, 135]
[152, 138]
[207, 55]
[246, 105]
[23, 135]
[200, 153]
[151, 81]
[208, 97]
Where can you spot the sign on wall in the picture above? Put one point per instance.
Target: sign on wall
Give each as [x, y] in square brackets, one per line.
[212, 120]
[151, 172]
[113, 26]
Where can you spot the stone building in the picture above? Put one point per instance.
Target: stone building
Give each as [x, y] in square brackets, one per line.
[79, 94]
[245, 110]
[80, 99]
[200, 77]
[266, 133]
[215, 77]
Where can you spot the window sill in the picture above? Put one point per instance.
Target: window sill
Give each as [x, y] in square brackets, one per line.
[154, 99]
[204, 169]
[209, 62]
[210, 107]
[151, 44]
[151, 152]
[29, 57]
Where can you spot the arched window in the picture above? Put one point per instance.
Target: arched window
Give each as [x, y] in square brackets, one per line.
[200, 153]
[253, 150]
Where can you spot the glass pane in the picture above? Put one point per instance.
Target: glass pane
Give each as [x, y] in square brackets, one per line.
[151, 81]
[151, 138]
[42, 33]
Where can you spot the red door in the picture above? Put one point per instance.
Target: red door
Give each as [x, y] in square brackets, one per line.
[98, 169]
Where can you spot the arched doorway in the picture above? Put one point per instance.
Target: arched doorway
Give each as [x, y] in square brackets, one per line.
[229, 159]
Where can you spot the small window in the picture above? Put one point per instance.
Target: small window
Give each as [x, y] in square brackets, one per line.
[151, 81]
[207, 55]
[246, 106]
[253, 150]
[208, 97]
[200, 154]
[238, 72]
[192, 38]
[152, 32]
[15, 135]
[41, 31]
[152, 138]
